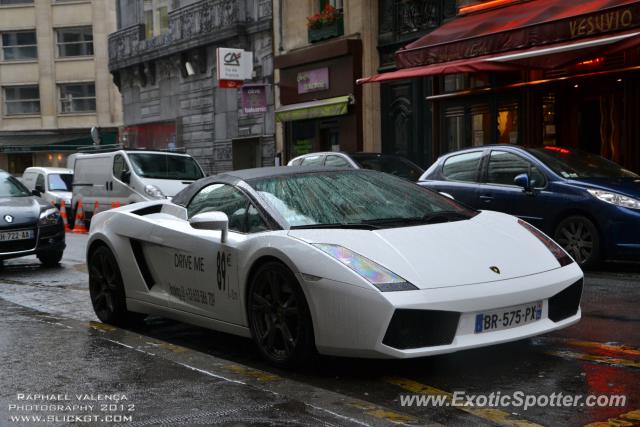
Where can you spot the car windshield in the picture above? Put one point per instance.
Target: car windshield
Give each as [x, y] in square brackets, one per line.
[358, 199]
[60, 181]
[165, 166]
[576, 164]
[11, 187]
[389, 164]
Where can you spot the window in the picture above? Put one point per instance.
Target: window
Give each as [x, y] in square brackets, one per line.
[12, 2]
[156, 17]
[243, 216]
[505, 166]
[21, 100]
[40, 182]
[335, 3]
[75, 42]
[312, 161]
[336, 162]
[119, 166]
[19, 46]
[462, 167]
[60, 182]
[77, 98]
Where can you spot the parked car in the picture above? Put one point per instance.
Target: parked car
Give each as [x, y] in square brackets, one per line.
[52, 184]
[129, 176]
[29, 225]
[589, 205]
[388, 163]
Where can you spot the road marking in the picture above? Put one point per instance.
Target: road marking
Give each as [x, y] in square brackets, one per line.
[605, 360]
[628, 419]
[385, 414]
[617, 348]
[494, 416]
[252, 373]
[102, 327]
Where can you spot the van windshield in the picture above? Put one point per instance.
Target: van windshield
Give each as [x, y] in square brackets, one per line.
[165, 166]
[60, 181]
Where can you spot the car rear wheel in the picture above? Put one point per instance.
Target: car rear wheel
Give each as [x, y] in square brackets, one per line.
[279, 316]
[50, 259]
[107, 290]
[579, 237]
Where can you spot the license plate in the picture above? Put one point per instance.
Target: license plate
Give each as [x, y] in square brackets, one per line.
[510, 317]
[7, 236]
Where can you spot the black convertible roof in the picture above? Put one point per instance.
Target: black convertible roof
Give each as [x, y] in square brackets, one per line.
[268, 172]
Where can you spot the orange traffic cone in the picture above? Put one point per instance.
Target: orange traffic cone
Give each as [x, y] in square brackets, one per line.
[96, 207]
[79, 226]
[115, 204]
[63, 215]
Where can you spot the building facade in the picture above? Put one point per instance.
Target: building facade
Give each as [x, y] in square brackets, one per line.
[54, 80]
[322, 47]
[163, 59]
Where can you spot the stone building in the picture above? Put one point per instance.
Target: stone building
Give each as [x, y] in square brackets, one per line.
[163, 59]
[54, 80]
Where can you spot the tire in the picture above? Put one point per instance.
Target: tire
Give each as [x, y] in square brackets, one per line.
[283, 332]
[50, 259]
[107, 290]
[580, 238]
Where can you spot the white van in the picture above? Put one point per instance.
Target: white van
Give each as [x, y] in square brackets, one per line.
[52, 184]
[129, 176]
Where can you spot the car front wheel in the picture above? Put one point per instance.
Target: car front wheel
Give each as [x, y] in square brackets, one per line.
[579, 237]
[50, 259]
[107, 290]
[279, 316]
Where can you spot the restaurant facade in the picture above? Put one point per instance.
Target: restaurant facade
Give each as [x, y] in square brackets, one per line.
[532, 73]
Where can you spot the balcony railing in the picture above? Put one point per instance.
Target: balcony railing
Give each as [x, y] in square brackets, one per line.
[202, 20]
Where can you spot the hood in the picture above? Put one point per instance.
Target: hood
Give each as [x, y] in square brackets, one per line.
[447, 254]
[627, 186]
[170, 187]
[24, 210]
[61, 195]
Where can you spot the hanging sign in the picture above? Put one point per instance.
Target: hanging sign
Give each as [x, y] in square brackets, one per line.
[233, 65]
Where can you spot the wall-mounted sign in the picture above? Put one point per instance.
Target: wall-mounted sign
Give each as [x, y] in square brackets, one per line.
[313, 80]
[254, 99]
[234, 65]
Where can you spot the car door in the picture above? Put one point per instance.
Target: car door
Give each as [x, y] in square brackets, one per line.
[117, 190]
[198, 270]
[460, 174]
[499, 192]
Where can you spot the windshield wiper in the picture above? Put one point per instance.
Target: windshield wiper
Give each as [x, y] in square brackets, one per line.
[355, 225]
[445, 216]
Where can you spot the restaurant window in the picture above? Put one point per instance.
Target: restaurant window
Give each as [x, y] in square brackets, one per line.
[549, 119]
[480, 125]
[19, 46]
[75, 42]
[508, 124]
[77, 98]
[21, 100]
[453, 82]
[455, 126]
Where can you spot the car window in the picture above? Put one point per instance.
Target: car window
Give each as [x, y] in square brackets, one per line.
[40, 182]
[393, 165]
[505, 166]
[296, 162]
[119, 165]
[312, 161]
[60, 181]
[243, 217]
[462, 167]
[336, 162]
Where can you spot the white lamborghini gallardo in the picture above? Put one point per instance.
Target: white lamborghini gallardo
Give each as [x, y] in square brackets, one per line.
[345, 262]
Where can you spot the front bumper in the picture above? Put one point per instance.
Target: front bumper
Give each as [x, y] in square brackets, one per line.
[47, 239]
[352, 321]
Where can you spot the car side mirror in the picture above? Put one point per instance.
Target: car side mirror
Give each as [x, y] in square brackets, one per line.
[36, 192]
[522, 180]
[211, 221]
[125, 177]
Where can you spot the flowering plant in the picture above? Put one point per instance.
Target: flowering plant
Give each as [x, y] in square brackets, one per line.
[328, 15]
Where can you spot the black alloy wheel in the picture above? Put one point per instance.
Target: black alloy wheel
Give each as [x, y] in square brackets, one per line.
[579, 237]
[107, 290]
[279, 316]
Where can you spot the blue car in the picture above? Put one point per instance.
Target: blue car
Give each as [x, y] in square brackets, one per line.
[589, 205]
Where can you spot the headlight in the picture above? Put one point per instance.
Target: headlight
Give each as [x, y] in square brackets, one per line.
[615, 199]
[154, 192]
[557, 251]
[50, 216]
[377, 275]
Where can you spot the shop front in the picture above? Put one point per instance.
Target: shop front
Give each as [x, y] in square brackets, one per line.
[537, 72]
[320, 103]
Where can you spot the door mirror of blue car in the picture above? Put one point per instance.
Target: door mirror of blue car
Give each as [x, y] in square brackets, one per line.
[522, 180]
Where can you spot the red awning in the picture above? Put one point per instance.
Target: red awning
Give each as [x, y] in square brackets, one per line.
[547, 57]
[521, 25]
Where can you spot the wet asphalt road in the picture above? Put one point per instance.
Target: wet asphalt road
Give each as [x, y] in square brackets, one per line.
[168, 373]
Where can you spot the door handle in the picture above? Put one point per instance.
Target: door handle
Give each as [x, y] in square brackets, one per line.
[106, 185]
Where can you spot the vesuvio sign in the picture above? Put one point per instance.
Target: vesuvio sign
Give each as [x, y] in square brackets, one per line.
[609, 22]
[234, 64]
[313, 80]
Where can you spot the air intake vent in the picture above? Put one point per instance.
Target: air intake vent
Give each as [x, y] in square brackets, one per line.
[421, 328]
[136, 247]
[566, 303]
